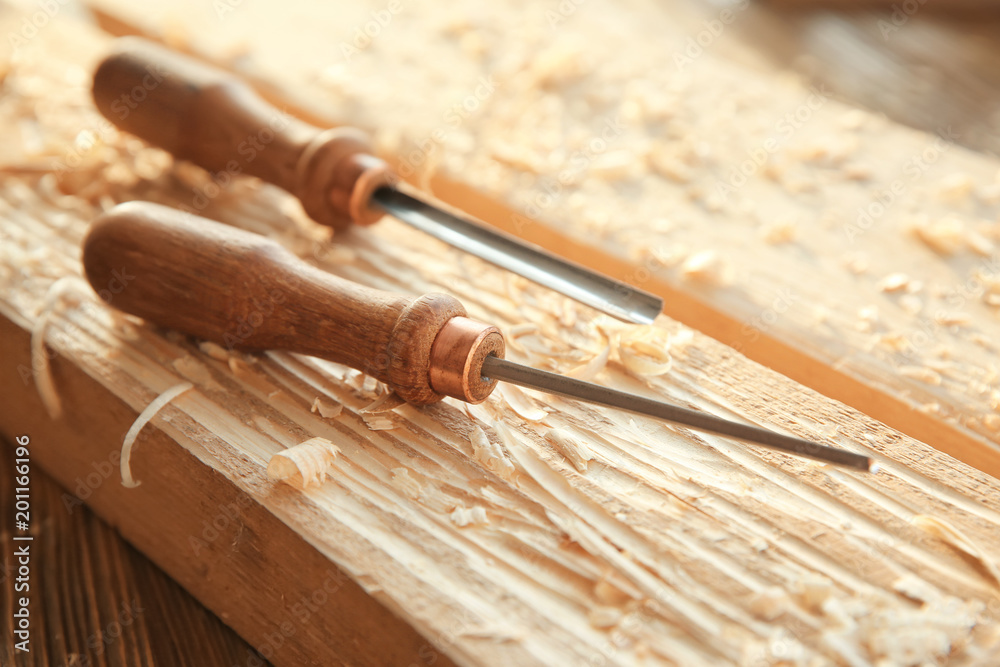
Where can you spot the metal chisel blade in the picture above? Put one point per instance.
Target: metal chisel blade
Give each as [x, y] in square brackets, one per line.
[495, 368]
[605, 294]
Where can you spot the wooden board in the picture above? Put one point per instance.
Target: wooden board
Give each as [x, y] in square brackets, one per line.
[799, 275]
[671, 547]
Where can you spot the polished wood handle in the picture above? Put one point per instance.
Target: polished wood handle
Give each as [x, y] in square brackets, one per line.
[244, 291]
[210, 117]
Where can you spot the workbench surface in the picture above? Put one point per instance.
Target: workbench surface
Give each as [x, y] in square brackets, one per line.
[669, 546]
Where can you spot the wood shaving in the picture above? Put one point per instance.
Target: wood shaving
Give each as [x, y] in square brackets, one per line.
[948, 533]
[303, 465]
[194, 371]
[894, 282]
[645, 350]
[706, 267]
[589, 370]
[69, 290]
[378, 422]
[490, 455]
[465, 516]
[945, 236]
[979, 244]
[780, 231]
[520, 403]
[573, 448]
[893, 341]
[144, 417]
[812, 590]
[953, 319]
[857, 263]
[214, 350]
[770, 603]
[384, 403]
[325, 410]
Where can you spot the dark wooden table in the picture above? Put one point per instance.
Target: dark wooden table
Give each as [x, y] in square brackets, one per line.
[94, 600]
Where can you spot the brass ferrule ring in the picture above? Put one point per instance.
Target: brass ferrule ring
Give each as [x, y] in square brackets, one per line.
[457, 355]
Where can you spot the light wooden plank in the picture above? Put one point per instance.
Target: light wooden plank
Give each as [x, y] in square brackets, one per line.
[807, 252]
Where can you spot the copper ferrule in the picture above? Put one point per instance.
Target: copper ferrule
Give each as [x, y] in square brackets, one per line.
[457, 355]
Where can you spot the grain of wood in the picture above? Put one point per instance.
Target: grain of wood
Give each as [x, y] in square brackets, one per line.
[682, 538]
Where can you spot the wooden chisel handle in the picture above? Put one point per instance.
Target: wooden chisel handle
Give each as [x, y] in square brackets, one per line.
[244, 291]
[210, 117]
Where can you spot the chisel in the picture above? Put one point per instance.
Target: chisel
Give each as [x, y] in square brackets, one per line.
[209, 117]
[245, 291]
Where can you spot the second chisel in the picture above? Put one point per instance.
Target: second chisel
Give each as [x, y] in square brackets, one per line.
[208, 116]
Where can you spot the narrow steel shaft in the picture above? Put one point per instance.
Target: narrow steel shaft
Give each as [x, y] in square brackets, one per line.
[610, 296]
[501, 369]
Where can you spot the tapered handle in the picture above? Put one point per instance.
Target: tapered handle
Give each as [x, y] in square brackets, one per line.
[208, 116]
[242, 290]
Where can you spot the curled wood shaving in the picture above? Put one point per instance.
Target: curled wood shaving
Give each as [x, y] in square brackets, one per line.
[144, 417]
[384, 403]
[946, 532]
[325, 410]
[574, 449]
[490, 455]
[304, 464]
[67, 290]
[590, 369]
[645, 351]
[521, 404]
